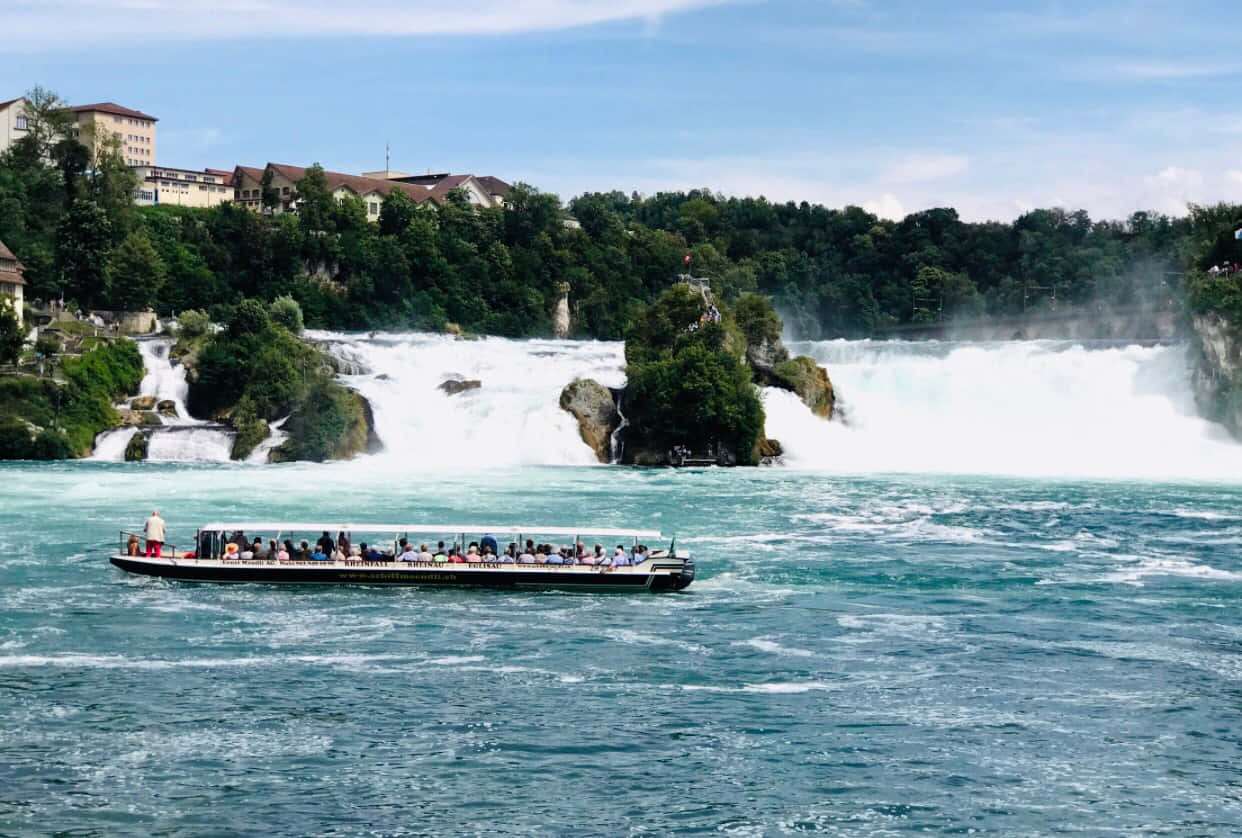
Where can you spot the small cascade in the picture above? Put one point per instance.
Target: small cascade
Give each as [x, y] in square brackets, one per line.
[179, 438]
[616, 443]
[275, 438]
[191, 443]
[110, 445]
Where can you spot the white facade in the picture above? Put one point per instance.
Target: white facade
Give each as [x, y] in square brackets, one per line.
[161, 185]
[12, 122]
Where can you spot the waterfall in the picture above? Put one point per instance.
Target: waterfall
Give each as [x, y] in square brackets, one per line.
[513, 418]
[275, 438]
[179, 438]
[616, 442]
[1021, 408]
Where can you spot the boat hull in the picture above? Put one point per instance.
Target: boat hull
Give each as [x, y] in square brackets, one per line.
[668, 575]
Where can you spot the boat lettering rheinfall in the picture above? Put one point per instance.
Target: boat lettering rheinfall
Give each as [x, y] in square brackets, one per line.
[504, 556]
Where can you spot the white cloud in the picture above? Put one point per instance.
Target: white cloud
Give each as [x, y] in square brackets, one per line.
[885, 206]
[59, 23]
[923, 167]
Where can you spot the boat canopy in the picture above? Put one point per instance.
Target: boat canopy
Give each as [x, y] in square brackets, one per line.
[430, 529]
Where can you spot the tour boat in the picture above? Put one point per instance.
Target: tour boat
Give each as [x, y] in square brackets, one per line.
[211, 561]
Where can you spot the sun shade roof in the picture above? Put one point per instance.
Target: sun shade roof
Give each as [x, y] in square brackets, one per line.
[430, 529]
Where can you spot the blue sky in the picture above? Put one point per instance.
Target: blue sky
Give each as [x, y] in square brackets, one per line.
[993, 108]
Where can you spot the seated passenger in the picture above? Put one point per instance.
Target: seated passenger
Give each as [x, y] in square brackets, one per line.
[304, 551]
[620, 558]
[337, 555]
[580, 550]
[473, 556]
[370, 554]
[318, 555]
[554, 558]
[409, 555]
[506, 557]
[282, 555]
[246, 555]
[355, 552]
[440, 555]
[588, 559]
[259, 551]
[526, 556]
[131, 546]
[230, 551]
[424, 555]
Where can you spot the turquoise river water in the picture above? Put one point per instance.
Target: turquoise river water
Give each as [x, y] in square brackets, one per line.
[1003, 599]
[863, 655]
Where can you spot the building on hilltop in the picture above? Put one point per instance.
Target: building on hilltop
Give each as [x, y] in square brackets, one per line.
[12, 122]
[283, 183]
[135, 129]
[11, 281]
[482, 191]
[162, 186]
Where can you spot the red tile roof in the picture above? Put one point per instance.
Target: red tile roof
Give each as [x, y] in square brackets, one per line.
[494, 185]
[355, 183]
[113, 108]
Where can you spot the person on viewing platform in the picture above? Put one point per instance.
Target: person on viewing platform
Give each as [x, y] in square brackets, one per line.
[318, 555]
[153, 529]
[424, 555]
[409, 554]
[325, 543]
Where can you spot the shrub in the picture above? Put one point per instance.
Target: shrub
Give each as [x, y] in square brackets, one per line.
[47, 344]
[286, 312]
[757, 319]
[11, 337]
[194, 323]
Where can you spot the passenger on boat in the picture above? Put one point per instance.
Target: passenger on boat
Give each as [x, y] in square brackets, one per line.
[153, 529]
[489, 542]
[337, 554]
[342, 541]
[370, 554]
[293, 553]
[473, 556]
[319, 555]
[325, 543]
[304, 551]
[456, 557]
[526, 556]
[131, 546]
[258, 551]
[281, 553]
[424, 555]
[620, 558]
[230, 551]
[530, 546]
[409, 554]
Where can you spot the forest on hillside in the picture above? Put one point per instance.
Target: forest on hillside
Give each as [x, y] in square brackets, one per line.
[830, 272]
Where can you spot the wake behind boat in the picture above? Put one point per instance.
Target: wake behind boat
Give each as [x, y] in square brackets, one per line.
[402, 554]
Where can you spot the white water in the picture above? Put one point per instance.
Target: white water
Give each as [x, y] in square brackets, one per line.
[182, 438]
[275, 438]
[514, 418]
[1020, 408]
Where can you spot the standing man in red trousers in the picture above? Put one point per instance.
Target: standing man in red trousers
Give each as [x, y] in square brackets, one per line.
[154, 531]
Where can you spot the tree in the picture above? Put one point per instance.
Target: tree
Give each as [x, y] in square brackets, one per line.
[82, 243]
[286, 312]
[396, 212]
[270, 198]
[11, 336]
[135, 273]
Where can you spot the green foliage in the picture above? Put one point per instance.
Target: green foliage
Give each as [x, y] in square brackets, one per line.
[11, 336]
[321, 427]
[82, 244]
[286, 312]
[135, 273]
[689, 386]
[47, 344]
[757, 319]
[40, 419]
[194, 323]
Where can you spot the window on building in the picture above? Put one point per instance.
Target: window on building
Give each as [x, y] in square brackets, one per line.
[373, 208]
[284, 190]
[245, 193]
[21, 123]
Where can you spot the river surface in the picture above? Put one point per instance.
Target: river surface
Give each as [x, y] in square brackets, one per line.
[863, 652]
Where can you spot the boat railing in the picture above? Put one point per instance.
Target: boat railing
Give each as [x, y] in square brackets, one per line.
[169, 548]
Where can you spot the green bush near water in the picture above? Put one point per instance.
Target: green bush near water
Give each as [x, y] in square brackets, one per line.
[43, 420]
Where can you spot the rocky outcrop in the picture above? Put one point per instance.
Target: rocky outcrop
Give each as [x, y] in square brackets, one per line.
[136, 449]
[142, 403]
[457, 385]
[168, 408]
[592, 404]
[1217, 374]
[809, 380]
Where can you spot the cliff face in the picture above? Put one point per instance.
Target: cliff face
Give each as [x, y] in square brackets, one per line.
[1217, 374]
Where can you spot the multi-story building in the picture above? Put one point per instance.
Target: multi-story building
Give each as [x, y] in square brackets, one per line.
[161, 185]
[482, 191]
[11, 281]
[12, 122]
[135, 129]
[248, 188]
